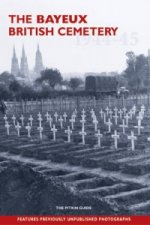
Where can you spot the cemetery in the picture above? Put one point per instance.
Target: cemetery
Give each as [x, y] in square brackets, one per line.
[92, 153]
[75, 112]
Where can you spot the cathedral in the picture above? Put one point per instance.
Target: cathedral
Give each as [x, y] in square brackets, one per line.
[22, 72]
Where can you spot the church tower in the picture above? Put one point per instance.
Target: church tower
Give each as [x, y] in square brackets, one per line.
[38, 62]
[14, 64]
[24, 69]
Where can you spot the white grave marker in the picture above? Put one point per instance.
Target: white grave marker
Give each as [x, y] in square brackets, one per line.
[134, 110]
[14, 120]
[115, 136]
[116, 118]
[56, 116]
[120, 112]
[75, 111]
[95, 121]
[143, 108]
[5, 118]
[123, 126]
[7, 127]
[47, 116]
[124, 110]
[110, 113]
[28, 128]
[68, 132]
[83, 117]
[148, 138]
[40, 121]
[39, 115]
[72, 121]
[82, 122]
[74, 117]
[107, 110]
[50, 120]
[109, 124]
[18, 127]
[31, 120]
[54, 130]
[99, 136]
[61, 122]
[104, 118]
[127, 117]
[115, 110]
[22, 120]
[130, 114]
[83, 133]
[40, 129]
[139, 127]
[139, 118]
[133, 139]
[65, 117]
[92, 111]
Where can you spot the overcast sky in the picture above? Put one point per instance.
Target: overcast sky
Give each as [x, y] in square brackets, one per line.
[72, 54]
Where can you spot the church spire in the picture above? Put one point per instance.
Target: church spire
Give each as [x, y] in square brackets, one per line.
[14, 63]
[38, 61]
[14, 52]
[23, 52]
[38, 48]
[24, 69]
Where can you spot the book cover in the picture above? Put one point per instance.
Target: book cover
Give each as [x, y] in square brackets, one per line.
[74, 112]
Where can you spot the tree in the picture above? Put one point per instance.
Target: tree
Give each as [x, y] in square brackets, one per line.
[27, 92]
[122, 81]
[75, 82]
[15, 86]
[4, 92]
[6, 78]
[50, 77]
[136, 71]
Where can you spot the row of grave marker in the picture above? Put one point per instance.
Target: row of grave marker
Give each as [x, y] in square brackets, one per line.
[115, 136]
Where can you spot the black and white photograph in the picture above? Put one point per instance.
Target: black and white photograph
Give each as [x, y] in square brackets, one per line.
[74, 107]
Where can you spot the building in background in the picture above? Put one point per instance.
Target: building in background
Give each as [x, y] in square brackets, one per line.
[22, 73]
[14, 64]
[38, 62]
